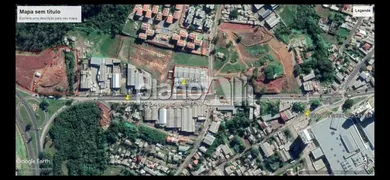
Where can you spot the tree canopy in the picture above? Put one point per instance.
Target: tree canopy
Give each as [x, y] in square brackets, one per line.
[79, 141]
[348, 104]
[233, 14]
[273, 70]
[298, 107]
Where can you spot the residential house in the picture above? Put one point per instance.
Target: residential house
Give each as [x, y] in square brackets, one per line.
[148, 14]
[142, 36]
[169, 19]
[284, 155]
[272, 21]
[183, 34]
[150, 32]
[269, 117]
[263, 13]
[139, 12]
[209, 139]
[267, 148]
[178, 6]
[175, 37]
[207, 24]
[198, 42]
[284, 105]
[214, 127]
[190, 45]
[155, 9]
[159, 16]
[176, 15]
[146, 7]
[308, 86]
[145, 26]
[197, 22]
[181, 43]
[258, 6]
[364, 76]
[286, 115]
[310, 76]
[192, 36]
[165, 12]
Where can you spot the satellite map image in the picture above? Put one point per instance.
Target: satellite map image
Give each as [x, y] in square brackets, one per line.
[195, 90]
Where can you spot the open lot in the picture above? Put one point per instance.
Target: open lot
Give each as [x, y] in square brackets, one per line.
[233, 68]
[190, 59]
[54, 80]
[28, 65]
[287, 13]
[154, 60]
[322, 11]
[54, 105]
[105, 121]
[130, 28]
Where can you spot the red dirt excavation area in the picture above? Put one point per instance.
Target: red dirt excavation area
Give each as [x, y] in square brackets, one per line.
[28, 65]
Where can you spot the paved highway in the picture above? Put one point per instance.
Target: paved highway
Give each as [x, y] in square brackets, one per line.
[33, 119]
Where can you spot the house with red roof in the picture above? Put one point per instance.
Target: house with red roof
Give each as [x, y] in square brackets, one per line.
[150, 32]
[198, 42]
[142, 36]
[181, 43]
[139, 12]
[366, 46]
[155, 9]
[148, 14]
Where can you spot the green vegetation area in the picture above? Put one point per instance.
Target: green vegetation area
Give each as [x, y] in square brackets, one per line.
[273, 70]
[307, 20]
[190, 59]
[273, 162]
[257, 50]
[70, 65]
[348, 104]
[269, 107]
[107, 19]
[54, 105]
[79, 141]
[323, 12]
[237, 144]
[233, 68]
[342, 32]
[39, 114]
[237, 124]
[219, 90]
[129, 29]
[264, 60]
[113, 170]
[288, 14]
[315, 103]
[152, 135]
[329, 38]
[24, 115]
[335, 109]
[218, 141]
[21, 152]
[219, 62]
[298, 107]
[22, 93]
[234, 57]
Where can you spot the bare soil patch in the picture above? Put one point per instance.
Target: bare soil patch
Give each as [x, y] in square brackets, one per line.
[28, 65]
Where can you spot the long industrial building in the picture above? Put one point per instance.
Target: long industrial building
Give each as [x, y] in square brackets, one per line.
[136, 79]
[187, 122]
[116, 81]
[190, 76]
[85, 82]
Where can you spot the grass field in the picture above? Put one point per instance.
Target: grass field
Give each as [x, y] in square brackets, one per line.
[21, 152]
[39, 114]
[129, 30]
[232, 68]
[190, 59]
[343, 32]
[54, 105]
[329, 38]
[24, 115]
[258, 49]
[234, 57]
[288, 14]
[322, 11]
[33, 142]
[22, 93]
[113, 170]
[218, 64]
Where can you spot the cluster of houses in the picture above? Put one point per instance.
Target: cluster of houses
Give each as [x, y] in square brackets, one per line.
[255, 14]
[343, 8]
[149, 159]
[200, 16]
[285, 114]
[308, 82]
[192, 41]
[280, 145]
[365, 79]
[246, 166]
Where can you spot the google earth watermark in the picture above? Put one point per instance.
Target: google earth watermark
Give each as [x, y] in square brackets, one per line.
[32, 161]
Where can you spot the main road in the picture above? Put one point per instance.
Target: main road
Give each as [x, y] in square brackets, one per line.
[353, 74]
[196, 145]
[33, 119]
[211, 46]
[341, 49]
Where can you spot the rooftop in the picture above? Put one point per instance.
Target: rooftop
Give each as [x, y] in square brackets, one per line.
[342, 146]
